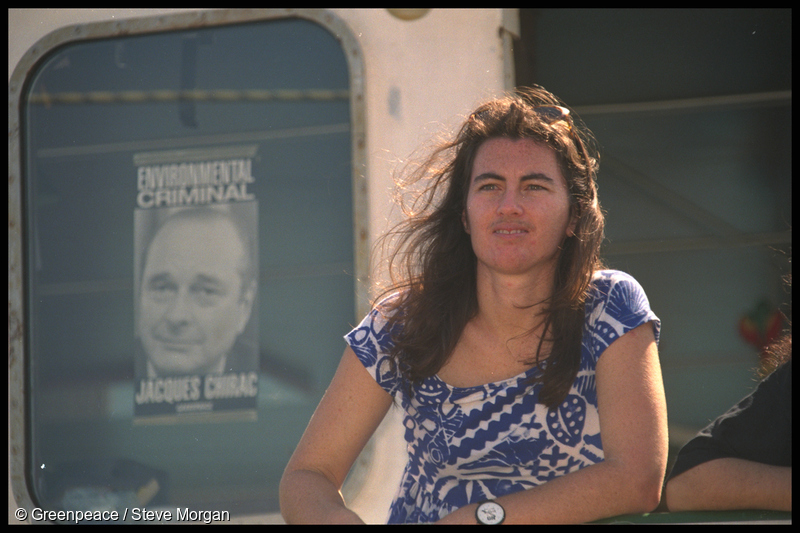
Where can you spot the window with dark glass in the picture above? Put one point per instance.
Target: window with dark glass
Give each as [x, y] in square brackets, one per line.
[188, 244]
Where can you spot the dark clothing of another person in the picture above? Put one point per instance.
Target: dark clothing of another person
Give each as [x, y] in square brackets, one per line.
[758, 428]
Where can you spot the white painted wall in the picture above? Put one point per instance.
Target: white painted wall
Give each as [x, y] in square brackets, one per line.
[421, 76]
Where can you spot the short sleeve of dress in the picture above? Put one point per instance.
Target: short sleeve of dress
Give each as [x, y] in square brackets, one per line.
[371, 341]
[617, 304]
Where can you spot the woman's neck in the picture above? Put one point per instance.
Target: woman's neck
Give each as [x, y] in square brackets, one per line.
[512, 305]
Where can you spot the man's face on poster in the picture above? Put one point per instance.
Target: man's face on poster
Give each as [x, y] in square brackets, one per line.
[193, 304]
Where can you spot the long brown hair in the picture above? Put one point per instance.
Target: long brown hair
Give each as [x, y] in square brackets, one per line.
[433, 266]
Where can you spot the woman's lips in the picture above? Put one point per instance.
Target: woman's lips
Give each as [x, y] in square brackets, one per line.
[510, 229]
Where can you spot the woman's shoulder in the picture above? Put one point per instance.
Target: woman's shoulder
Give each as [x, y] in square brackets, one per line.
[372, 341]
[616, 298]
[615, 284]
[375, 323]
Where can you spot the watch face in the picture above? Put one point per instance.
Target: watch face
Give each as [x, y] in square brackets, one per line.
[490, 513]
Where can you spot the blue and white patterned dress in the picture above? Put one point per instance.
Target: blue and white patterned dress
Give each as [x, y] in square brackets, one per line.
[470, 444]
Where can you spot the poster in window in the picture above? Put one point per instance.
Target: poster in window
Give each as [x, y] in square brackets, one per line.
[195, 286]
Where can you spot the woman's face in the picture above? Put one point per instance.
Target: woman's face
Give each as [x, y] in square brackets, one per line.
[518, 208]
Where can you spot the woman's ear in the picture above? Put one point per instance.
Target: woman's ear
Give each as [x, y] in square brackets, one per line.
[573, 223]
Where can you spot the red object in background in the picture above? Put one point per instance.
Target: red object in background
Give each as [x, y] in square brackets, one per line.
[761, 326]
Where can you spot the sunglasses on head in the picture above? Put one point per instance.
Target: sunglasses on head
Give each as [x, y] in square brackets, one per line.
[552, 113]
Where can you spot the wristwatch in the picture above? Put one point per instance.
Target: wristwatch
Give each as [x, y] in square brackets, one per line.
[490, 513]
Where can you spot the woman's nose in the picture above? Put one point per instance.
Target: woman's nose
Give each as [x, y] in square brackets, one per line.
[510, 203]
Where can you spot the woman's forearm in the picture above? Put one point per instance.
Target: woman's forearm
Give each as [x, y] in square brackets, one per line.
[350, 411]
[310, 498]
[731, 483]
[597, 491]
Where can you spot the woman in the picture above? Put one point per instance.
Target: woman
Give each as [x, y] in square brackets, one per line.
[491, 341]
